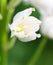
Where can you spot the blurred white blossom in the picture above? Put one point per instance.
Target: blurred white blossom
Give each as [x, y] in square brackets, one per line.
[47, 26]
[44, 6]
[24, 27]
[1, 17]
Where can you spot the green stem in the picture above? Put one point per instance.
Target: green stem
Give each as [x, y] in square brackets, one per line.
[3, 50]
[0, 6]
[3, 57]
[37, 53]
[3, 6]
[3, 35]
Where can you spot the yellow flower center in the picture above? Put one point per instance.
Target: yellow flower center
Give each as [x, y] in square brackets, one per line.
[20, 27]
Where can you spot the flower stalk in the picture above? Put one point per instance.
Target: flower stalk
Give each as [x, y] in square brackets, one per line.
[38, 52]
[3, 33]
[4, 42]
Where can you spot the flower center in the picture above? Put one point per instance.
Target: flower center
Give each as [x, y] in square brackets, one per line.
[20, 27]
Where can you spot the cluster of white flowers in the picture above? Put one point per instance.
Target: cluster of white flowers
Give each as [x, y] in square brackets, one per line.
[45, 7]
[24, 26]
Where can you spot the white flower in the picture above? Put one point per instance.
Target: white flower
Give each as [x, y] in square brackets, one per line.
[47, 26]
[24, 27]
[44, 6]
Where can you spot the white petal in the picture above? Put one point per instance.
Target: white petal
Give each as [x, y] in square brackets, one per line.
[47, 26]
[24, 13]
[33, 20]
[17, 21]
[20, 34]
[12, 26]
[30, 37]
[12, 34]
[38, 35]
[32, 23]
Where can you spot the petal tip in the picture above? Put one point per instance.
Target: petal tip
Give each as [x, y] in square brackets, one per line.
[38, 35]
[33, 9]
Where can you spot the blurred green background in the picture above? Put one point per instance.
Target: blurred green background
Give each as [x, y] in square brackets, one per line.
[21, 53]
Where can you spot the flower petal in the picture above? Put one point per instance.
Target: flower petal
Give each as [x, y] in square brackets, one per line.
[30, 37]
[31, 23]
[24, 13]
